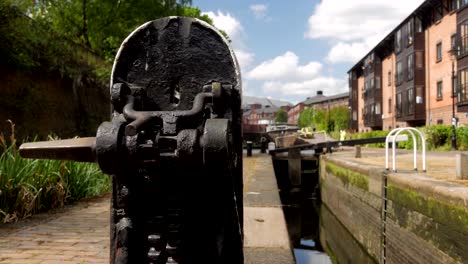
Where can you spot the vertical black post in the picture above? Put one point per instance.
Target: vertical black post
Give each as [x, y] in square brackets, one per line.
[263, 145]
[249, 148]
[454, 120]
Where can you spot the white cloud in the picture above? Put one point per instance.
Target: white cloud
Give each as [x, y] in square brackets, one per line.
[344, 52]
[357, 19]
[285, 67]
[328, 85]
[244, 58]
[354, 26]
[283, 77]
[233, 28]
[259, 10]
[351, 51]
[226, 22]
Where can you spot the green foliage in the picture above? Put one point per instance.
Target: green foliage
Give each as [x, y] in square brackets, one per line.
[339, 118]
[29, 45]
[438, 137]
[334, 120]
[306, 118]
[103, 25]
[462, 138]
[281, 116]
[31, 186]
[76, 36]
[371, 134]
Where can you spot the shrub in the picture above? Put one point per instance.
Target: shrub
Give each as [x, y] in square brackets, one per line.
[438, 137]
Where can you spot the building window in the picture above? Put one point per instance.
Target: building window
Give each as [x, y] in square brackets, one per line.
[410, 65]
[409, 32]
[439, 52]
[440, 121]
[399, 73]
[377, 109]
[462, 3]
[463, 38]
[453, 5]
[377, 82]
[439, 91]
[419, 59]
[410, 99]
[463, 86]
[390, 105]
[438, 13]
[398, 106]
[419, 94]
[398, 41]
[389, 78]
[354, 115]
[418, 25]
[454, 86]
[453, 43]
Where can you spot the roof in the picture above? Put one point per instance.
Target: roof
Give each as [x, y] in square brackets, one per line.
[315, 99]
[248, 100]
[338, 96]
[322, 98]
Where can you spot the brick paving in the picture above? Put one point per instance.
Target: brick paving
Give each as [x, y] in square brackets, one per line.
[75, 235]
[79, 234]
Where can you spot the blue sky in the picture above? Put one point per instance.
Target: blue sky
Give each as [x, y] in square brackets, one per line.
[290, 49]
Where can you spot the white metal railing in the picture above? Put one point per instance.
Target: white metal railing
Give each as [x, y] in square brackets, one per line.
[394, 136]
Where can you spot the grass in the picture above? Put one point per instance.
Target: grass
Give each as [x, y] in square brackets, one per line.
[30, 186]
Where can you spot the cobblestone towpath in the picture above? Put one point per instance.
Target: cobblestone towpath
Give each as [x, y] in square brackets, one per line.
[78, 234]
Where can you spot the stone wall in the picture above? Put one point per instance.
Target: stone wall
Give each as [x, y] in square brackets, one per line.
[43, 103]
[427, 220]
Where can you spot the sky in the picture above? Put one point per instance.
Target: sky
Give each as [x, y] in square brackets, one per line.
[289, 50]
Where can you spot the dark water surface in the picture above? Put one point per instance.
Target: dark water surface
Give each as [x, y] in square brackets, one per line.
[316, 234]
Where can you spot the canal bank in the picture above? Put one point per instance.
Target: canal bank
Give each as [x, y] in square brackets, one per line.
[403, 217]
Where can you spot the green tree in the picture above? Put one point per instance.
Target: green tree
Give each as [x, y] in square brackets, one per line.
[339, 118]
[281, 116]
[305, 118]
[102, 25]
[334, 120]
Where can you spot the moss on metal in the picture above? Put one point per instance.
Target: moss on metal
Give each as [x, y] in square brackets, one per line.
[348, 176]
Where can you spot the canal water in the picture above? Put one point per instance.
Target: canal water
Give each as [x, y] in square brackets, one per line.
[316, 234]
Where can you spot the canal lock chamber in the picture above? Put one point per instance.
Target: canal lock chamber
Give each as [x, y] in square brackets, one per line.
[315, 233]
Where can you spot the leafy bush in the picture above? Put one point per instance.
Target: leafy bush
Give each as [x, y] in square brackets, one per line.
[462, 138]
[438, 137]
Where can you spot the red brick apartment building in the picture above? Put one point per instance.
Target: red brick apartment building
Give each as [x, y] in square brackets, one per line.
[319, 101]
[410, 77]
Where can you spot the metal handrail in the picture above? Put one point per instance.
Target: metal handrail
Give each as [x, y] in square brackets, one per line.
[397, 132]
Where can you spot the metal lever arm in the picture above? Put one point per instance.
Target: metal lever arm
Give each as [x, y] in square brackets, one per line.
[76, 149]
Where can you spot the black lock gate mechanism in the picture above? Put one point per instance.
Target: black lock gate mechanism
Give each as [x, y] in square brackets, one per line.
[173, 147]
